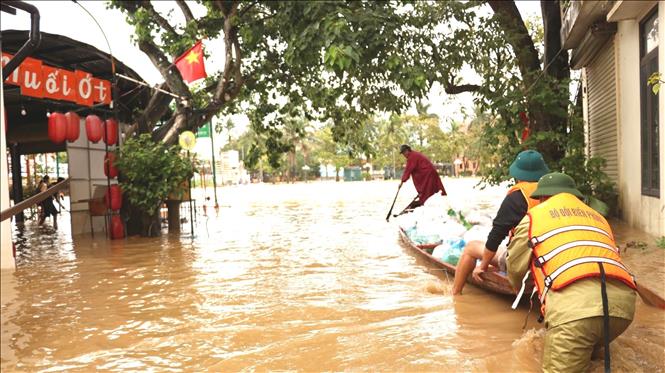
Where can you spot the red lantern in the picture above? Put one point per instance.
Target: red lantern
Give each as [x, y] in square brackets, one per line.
[109, 165]
[73, 126]
[117, 228]
[93, 128]
[57, 127]
[114, 201]
[111, 131]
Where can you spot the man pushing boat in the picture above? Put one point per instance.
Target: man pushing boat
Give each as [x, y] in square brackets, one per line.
[425, 177]
[586, 292]
[526, 169]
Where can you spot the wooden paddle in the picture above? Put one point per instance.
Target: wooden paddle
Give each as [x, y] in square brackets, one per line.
[407, 207]
[649, 297]
[393, 205]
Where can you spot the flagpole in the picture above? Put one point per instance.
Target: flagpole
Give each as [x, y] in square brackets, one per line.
[214, 168]
[191, 211]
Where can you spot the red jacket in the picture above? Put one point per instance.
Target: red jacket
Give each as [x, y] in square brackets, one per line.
[425, 177]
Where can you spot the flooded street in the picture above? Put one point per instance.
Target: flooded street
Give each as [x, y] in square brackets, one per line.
[306, 277]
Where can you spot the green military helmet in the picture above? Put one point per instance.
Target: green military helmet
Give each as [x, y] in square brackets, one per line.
[528, 166]
[555, 183]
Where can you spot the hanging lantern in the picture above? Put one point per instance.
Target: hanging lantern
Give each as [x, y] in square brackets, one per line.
[73, 126]
[117, 228]
[114, 197]
[109, 165]
[57, 127]
[93, 128]
[111, 131]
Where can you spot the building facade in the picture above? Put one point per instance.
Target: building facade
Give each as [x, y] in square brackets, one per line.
[617, 45]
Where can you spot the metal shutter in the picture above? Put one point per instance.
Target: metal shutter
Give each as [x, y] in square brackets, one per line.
[601, 96]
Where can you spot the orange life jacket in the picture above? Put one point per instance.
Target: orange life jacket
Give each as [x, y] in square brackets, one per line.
[569, 239]
[526, 188]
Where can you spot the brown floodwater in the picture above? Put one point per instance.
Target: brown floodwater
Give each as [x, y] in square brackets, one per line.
[305, 277]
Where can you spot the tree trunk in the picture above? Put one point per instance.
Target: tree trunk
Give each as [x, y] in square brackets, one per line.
[174, 215]
[151, 225]
[140, 223]
[555, 69]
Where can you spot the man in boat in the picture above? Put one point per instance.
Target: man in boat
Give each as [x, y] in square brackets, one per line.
[526, 169]
[586, 292]
[425, 177]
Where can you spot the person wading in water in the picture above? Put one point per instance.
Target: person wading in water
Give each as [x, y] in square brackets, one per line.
[526, 169]
[586, 292]
[425, 177]
[48, 208]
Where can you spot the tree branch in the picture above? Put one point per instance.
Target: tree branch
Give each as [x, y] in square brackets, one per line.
[246, 9]
[161, 21]
[452, 89]
[238, 60]
[169, 72]
[154, 110]
[185, 10]
[518, 37]
[230, 37]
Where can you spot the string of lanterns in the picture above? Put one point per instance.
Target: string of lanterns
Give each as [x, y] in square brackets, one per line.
[63, 127]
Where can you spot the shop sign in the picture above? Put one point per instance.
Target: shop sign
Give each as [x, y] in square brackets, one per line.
[41, 81]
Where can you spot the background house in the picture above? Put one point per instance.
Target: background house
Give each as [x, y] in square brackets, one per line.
[617, 44]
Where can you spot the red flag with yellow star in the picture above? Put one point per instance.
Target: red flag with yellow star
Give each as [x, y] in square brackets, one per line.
[190, 64]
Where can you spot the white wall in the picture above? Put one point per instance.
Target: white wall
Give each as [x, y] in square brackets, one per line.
[643, 212]
[6, 248]
[86, 172]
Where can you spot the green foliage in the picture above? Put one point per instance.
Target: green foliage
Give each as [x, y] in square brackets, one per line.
[499, 142]
[460, 217]
[150, 172]
[654, 81]
[660, 242]
[343, 62]
[335, 62]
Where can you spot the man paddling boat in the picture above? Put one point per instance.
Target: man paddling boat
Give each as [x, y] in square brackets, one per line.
[586, 292]
[425, 177]
[526, 169]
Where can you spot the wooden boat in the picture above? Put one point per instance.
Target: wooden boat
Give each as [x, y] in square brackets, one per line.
[493, 280]
[497, 282]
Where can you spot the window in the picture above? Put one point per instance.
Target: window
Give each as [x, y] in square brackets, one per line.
[649, 106]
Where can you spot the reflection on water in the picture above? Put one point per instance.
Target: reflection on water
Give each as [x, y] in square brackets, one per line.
[289, 277]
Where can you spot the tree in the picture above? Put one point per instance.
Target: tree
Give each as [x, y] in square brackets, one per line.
[327, 151]
[150, 172]
[343, 62]
[337, 61]
[392, 133]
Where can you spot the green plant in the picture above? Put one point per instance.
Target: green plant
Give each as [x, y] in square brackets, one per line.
[150, 171]
[660, 242]
[654, 81]
[460, 217]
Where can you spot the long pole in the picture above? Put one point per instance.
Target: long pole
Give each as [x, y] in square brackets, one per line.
[214, 168]
[109, 212]
[393, 205]
[191, 212]
[57, 176]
